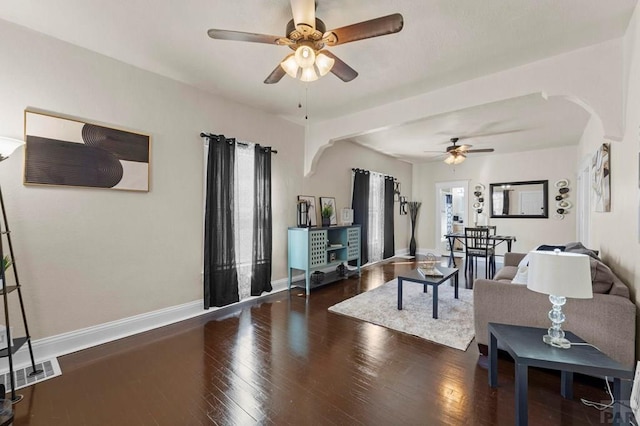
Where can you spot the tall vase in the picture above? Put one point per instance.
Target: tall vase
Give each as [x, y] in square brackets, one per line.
[414, 206]
[412, 243]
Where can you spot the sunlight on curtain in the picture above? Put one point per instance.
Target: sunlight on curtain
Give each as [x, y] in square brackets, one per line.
[376, 217]
[244, 177]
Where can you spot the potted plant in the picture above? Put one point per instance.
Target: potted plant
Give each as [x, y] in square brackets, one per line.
[326, 213]
[6, 264]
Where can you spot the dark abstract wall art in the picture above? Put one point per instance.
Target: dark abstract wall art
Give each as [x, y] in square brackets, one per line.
[62, 151]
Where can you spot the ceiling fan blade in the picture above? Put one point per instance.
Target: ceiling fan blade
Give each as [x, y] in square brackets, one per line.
[275, 76]
[480, 150]
[373, 28]
[242, 36]
[304, 15]
[341, 70]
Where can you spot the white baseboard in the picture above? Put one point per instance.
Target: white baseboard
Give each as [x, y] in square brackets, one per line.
[66, 343]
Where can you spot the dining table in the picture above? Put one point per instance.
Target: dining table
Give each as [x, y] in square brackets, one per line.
[497, 239]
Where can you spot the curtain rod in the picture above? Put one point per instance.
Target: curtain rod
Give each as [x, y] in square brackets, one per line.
[211, 135]
[356, 170]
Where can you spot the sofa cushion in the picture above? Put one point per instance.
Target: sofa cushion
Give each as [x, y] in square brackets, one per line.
[602, 277]
[506, 273]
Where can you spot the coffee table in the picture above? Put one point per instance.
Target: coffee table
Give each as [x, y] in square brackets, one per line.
[427, 280]
[526, 347]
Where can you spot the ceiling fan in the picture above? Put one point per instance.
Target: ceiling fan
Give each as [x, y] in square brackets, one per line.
[306, 35]
[456, 154]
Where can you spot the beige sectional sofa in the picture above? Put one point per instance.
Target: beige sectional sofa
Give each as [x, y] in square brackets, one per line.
[607, 321]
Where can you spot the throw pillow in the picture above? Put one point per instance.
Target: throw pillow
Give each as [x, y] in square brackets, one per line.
[546, 247]
[521, 276]
[579, 248]
[543, 247]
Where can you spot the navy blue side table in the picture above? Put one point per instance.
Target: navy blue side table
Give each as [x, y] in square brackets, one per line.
[527, 349]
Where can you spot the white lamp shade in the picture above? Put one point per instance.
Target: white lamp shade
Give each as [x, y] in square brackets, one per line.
[308, 74]
[305, 56]
[324, 63]
[290, 66]
[7, 146]
[560, 274]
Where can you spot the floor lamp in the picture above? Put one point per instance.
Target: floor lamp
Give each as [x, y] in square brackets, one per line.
[7, 147]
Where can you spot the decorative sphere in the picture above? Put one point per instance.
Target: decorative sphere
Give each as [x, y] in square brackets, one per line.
[430, 261]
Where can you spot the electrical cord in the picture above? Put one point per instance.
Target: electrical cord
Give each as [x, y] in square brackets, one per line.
[598, 405]
[584, 344]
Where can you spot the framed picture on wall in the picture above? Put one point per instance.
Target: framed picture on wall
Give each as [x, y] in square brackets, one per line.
[601, 179]
[70, 152]
[311, 202]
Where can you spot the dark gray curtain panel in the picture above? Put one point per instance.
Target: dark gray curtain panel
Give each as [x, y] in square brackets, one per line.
[360, 206]
[389, 236]
[262, 232]
[220, 273]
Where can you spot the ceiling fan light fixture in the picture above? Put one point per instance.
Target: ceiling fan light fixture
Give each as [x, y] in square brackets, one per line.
[324, 63]
[290, 66]
[305, 56]
[454, 159]
[308, 74]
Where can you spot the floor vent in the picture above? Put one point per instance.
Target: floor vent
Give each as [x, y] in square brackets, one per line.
[49, 368]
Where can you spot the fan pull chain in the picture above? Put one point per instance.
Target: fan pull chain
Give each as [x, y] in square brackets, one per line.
[306, 102]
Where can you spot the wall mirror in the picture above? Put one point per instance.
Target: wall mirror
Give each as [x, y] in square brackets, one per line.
[520, 199]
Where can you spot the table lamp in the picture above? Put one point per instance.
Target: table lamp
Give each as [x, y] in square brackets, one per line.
[560, 275]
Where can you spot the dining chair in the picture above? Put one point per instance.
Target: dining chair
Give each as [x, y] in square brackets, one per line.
[492, 231]
[479, 245]
[492, 228]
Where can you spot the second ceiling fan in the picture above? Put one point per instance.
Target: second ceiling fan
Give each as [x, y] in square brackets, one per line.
[456, 154]
[306, 35]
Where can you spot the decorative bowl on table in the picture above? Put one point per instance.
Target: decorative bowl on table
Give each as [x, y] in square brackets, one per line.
[428, 265]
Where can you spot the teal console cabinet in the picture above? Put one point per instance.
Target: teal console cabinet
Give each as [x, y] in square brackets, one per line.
[311, 249]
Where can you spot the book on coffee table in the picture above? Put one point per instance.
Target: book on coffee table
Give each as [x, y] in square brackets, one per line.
[430, 272]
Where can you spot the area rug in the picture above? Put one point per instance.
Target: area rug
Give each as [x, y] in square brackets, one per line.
[453, 328]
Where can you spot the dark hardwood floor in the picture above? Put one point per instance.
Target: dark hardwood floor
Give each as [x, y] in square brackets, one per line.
[288, 360]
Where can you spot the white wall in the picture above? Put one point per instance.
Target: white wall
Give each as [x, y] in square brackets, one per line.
[333, 179]
[616, 233]
[548, 164]
[88, 256]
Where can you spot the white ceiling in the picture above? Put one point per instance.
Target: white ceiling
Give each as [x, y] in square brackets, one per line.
[443, 42]
[518, 124]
